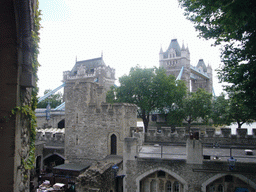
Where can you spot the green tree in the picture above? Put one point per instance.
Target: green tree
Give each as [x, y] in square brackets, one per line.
[173, 102]
[232, 24]
[220, 111]
[239, 112]
[197, 105]
[54, 100]
[147, 88]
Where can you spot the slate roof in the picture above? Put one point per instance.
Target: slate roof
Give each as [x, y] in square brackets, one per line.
[90, 64]
[175, 45]
[201, 64]
[72, 167]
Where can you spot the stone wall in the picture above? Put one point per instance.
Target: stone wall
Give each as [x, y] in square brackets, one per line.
[51, 138]
[16, 80]
[192, 177]
[90, 122]
[56, 117]
[207, 135]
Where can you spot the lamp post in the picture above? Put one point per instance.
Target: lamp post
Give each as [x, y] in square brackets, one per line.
[48, 112]
[115, 169]
[231, 163]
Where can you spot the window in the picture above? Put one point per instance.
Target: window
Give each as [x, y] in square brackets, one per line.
[228, 178]
[153, 186]
[220, 188]
[77, 118]
[168, 186]
[113, 144]
[176, 186]
[212, 188]
[161, 174]
[77, 140]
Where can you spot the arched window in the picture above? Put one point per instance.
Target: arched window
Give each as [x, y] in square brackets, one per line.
[61, 124]
[212, 188]
[153, 186]
[176, 186]
[113, 144]
[220, 188]
[168, 186]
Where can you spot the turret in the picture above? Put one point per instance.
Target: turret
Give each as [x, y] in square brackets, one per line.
[183, 50]
[161, 54]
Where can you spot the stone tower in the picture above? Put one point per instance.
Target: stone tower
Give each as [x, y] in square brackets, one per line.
[174, 58]
[202, 83]
[94, 128]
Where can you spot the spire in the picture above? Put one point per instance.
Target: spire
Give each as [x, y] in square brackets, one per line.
[161, 50]
[187, 48]
[102, 54]
[76, 58]
[183, 47]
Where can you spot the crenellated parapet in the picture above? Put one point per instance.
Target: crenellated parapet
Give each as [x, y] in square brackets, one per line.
[83, 73]
[115, 108]
[51, 137]
[207, 135]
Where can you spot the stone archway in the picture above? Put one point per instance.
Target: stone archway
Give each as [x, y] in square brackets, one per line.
[160, 176]
[52, 160]
[38, 164]
[61, 124]
[224, 182]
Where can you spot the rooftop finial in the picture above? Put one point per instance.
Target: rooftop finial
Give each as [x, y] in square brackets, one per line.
[183, 46]
[161, 50]
[101, 54]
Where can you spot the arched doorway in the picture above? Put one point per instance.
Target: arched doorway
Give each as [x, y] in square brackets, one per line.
[113, 144]
[52, 161]
[38, 164]
[61, 124]
[160, 181]
[229, 182]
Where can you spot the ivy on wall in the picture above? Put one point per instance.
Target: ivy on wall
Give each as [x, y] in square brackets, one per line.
[29, 111]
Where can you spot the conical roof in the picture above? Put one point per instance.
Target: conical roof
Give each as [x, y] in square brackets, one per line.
[201, 64]
[175, 45]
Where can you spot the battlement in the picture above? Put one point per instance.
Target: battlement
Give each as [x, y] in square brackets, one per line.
[51, 136]
[112, 108]
[207, 135]
[83, 73]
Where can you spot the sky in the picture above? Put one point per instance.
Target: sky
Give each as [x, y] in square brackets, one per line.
[126, 32]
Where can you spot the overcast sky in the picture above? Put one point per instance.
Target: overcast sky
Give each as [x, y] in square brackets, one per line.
[128, 32]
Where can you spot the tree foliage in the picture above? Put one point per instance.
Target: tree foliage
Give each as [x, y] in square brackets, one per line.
[197, 105]
[231, 110]
[232, 24]
[150, 89]
[220, 111]
[239, 112]
[54, 100]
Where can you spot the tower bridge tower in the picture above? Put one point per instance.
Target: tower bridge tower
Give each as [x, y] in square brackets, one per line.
[176, 60]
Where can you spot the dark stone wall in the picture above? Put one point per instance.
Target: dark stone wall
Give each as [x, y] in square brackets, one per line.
[15, 78]
[8, 96]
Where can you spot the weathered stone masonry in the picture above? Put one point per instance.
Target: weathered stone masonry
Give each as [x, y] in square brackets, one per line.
[91, 123]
